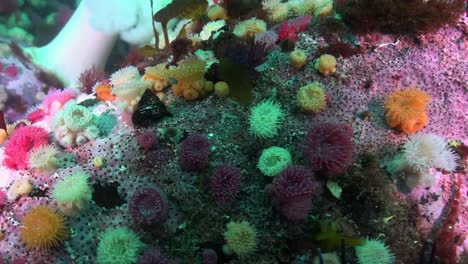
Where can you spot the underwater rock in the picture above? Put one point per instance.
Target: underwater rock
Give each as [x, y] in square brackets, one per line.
[149, 110]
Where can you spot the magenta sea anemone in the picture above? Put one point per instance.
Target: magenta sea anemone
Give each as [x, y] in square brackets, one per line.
[194, 151]
[225, 184]
[328, 148]
[148, 206]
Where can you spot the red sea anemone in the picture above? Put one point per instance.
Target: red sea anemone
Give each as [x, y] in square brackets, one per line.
[225, 184]
[291, 192]
[148, 206]
[23, 140]
[147, 140]
[328, 148]
[194, 152]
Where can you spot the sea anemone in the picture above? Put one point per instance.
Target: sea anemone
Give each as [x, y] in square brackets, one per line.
[249, 28]
[374, 252]
[210, 28]
[73, 193]
[43, 228]
[265, 118]
[153, 255]
[44, 158]
[326, 64]
[291, 192]
[312, 98]
[119, 246]
[406, 110]
[276, 10]
[148, 206]
[104, 92]
[20, 187]
[147, 140]
[55, 99]
[225, 184]
[424, 151]
[328, 148]
[273, 160]
[241, 238]
[76, 117]
[124, 75]
[193, 153]
[21, 143]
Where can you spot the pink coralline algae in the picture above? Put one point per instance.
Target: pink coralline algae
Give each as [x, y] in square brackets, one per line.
[148, 206]
[329, 148]
[225, 184]
[22, 141]
[194, 152]
[291, 192]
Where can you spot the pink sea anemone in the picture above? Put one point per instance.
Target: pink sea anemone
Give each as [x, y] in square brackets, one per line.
[55, 99]
[194, 152]
[23, 140]
[225, 184]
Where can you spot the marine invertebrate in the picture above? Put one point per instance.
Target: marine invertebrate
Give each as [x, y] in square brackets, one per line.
[56, 99]
[44, 158]
[187, 74]
[225, 184]
[149, 110]
[423, 151]
[124, 75]
[329, 239]
[241, 238]
[326, 64]
[273, 160]
[193, 153]
[76, 117]
[249, 28]
[209, 256]
[217, 12]
[291, 192]
[89, 78]
[73, 193]
[328, 148]
[298, 58]
[328, 258]
[406, 110]
[43, 228]
[374, 251]
[23, 140]
[147, 140]
[221, 89]
[103, 91]
[20, 187]
[148, 206]
[312, 98]
[119, 246]
[265, 119]
[276, 10]
[210, 28]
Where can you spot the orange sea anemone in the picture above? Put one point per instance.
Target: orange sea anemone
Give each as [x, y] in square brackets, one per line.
[43, 228]
[104, 92]
[406, 110]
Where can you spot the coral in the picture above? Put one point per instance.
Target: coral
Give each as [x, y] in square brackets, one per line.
[406, 110]
[147, 140]
[291, 192]
[265, 119]
[423, 151]
[274, 160]
[225, 184]
[20, 144]
[312, 98]
[241, 238]
[118, 246]
[249, 28]
[73, 193]
[328, 148]
[43, 228]
[148, 206]
[326, 64]
[153, 255]
[374, 251]
[193, 153]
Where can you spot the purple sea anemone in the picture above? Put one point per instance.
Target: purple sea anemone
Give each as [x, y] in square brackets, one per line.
[147, 140]
[225, 183]
[194, 152]
[153, 256]
[148, 206]
[328, 148]
[291, 192]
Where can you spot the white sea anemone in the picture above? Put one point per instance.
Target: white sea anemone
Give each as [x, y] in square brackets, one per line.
[423, 151]
[210, 28]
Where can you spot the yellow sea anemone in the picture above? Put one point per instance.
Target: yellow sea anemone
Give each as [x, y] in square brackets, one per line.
[241, 238]
[326, 64]
[43, 228]
[312, 98]
[248, 28]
